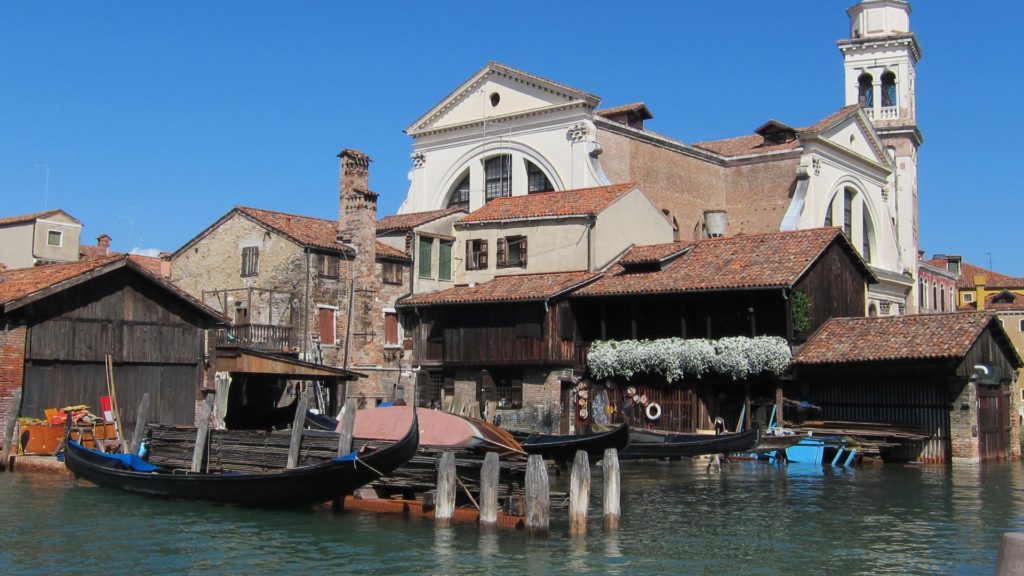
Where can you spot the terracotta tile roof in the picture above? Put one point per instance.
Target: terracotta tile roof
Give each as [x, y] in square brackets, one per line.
[755, 143]
[89, 252]
[578, 202]
[414, 219]
[34, 216]
[24, 282]
[309, 231]
[888, 338]
[636, 107]
[523, 287]
[776, 259]
[969, 271]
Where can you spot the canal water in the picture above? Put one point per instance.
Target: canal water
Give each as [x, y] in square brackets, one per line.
[751, 518]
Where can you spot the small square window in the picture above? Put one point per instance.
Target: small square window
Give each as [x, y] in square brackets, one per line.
[391, 272]
[328, 265]
[476, 254]
[250, 261]
[968, 297]
[54, 238]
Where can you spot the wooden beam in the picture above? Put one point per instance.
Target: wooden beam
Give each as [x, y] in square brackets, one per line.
[612, 509]
[445, 502]
[348, 425]
[538, 499]
[202, 433]
[12, 421]
[579, 494]
[140, 424]
[489, 490]
[298, 423]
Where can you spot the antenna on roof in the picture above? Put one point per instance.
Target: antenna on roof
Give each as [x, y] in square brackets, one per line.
[989, 260]
[46, 184]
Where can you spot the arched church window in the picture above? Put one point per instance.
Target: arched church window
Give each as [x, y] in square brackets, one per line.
[888, 89]
[867, 236]
[536, 180]
[865, 87]
[828, 214]
[497, 177]
[847, 212]
[460, 194]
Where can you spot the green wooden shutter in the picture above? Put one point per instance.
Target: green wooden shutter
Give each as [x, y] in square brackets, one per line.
[444, 271]
[426, 246]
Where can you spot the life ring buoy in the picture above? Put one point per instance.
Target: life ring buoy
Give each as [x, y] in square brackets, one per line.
[653, 411]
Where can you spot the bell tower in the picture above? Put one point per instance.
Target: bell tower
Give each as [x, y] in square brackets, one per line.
[880, 59]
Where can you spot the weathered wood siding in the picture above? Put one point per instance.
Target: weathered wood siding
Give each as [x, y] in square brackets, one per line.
[156, 342]
[835, 287]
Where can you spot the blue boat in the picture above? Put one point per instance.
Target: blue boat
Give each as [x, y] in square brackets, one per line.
[820, 450]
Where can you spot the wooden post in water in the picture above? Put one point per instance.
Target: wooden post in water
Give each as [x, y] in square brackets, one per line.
[298, 423]
[445, 507]
[348, 424]
[12, 421]
[779, 401]
[538, 501]
[579, 494]
[202, 433]
[489, 490]
[612, 511]
[140, 424]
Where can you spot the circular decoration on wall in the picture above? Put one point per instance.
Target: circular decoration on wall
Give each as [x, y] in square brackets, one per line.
[584, 394]
[583, 413]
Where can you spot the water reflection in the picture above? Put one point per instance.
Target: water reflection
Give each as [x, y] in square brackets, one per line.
[748, 518]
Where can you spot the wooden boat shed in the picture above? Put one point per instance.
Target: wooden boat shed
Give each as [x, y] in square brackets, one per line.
[950, 377]
[59, 322]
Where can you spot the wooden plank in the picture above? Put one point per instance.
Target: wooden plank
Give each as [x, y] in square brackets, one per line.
[348, 424]
[202, 433]
[12, 421]
[489, 490]
[140, 424]
[491, 411]
[298, 423]
[579, 494]
[538, 499]
[612, 509]
[445, 508]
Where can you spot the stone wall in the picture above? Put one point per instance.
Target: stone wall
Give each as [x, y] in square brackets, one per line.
[12, 369]
[963, 426]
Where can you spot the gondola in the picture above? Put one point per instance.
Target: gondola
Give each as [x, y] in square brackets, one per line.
[645, 444]
[562, 449]
[302, 486]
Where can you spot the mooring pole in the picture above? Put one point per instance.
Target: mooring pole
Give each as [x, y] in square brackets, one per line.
[579, 494]
[489, 490]
[538, 500]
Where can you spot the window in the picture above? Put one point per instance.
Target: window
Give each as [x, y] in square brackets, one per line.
[935, 296]
[476, 254]
[1020, 326]
[942, 300]
[888, 89]
[425, 254]
[536, 180]
[497, 177]
[390, 328]
[444, 264]
[250, 261]
[54, 238]
[828, 215]
[391, 272]
[920, 294]
[326, 326]
[509, 389]
[512, 252]
[866, 234]
[460, 195]
[865, 87]
[328, 265]
[847, 211]
[968, 296]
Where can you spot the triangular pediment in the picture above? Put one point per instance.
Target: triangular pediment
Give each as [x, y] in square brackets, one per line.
[497, 91]
[855, 133]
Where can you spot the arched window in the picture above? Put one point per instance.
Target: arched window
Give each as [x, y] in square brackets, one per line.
[889, 89]
[497, 177]
[848, 212]
[867, 235]
[872, 309]
[536, 180]
[460, 194]
[942, 300]
[865, 87]
[828, 214]
[920, 294]
[935, 297]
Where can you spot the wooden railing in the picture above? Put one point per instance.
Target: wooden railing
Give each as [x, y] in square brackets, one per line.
[259, 336]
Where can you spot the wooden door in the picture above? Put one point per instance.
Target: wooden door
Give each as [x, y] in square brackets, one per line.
[993, 438]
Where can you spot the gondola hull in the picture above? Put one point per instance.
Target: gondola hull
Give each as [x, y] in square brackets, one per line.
[564, 448]
[303, 486]
[679, 445]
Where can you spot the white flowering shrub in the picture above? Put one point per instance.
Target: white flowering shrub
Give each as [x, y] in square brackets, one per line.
[737, 357]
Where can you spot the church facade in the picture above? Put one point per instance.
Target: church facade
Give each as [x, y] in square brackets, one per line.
[506, 132]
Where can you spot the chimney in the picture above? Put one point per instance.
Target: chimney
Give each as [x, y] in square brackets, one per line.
[354, 195]
[103, 242]
[716, 223]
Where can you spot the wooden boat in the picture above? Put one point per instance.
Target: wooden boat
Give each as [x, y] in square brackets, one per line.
[563, 449]
[646, 444]
[303, 486]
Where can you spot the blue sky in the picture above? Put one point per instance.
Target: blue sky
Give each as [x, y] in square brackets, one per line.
[154, 119]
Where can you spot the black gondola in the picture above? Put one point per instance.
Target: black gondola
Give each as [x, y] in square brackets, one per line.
[562, 449]
[646, 444]
[303, 486]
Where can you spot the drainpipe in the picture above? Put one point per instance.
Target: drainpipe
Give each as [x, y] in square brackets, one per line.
[590, 245]
[351, 299]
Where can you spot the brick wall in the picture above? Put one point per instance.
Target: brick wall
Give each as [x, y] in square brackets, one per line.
[12, 369]
[963, 430]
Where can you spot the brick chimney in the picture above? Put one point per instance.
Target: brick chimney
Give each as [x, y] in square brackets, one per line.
[103, 242]
[357, 205]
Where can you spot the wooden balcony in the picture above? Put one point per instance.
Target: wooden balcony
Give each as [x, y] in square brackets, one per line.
[257, 336]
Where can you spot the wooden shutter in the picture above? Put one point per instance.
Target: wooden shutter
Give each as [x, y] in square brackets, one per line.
[502, 253]
[391, 328]
[482, 258]
[444, 271]
[522, 252]
[470, 260]
[325, 325]
[426, 246]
